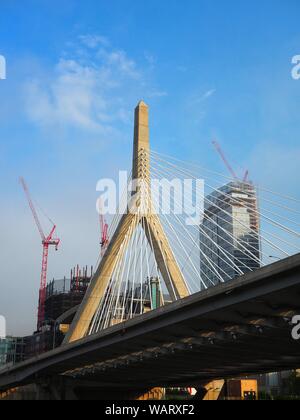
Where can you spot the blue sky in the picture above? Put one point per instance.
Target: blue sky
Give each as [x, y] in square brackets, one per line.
[75, 70]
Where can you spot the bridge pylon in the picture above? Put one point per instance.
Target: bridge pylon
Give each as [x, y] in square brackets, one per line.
[140, 211]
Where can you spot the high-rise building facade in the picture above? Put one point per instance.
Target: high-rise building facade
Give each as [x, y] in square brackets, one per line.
[12, 350]
[229, 233]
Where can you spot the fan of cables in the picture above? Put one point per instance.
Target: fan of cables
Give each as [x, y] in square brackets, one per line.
[218, 229]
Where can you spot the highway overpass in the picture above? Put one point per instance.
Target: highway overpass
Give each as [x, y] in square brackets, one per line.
[237, 328]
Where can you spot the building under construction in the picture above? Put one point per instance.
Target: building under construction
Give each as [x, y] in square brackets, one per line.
[229, 234]
[61, 297]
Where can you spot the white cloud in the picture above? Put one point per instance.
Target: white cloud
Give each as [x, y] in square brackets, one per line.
[197, 104]
[202, 97]
[72, 97]
[119, 60]
[150, 58]
[87, 91]
[94, 41]
[158, 94]
[207, 94]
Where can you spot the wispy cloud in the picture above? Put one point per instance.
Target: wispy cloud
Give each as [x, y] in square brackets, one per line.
[197, 105]
[70, 98]
[150, 58]
[118, 60]
[94, 41]
[88, 88]
[207, 95]
[158, 94]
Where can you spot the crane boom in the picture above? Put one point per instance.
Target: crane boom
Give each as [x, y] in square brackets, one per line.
[229, 167]
[221, 153]
[46, 242]
[33, 210]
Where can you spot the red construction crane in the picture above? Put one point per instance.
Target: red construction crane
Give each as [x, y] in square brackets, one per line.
[229, 167]
[46, 242]
[103, 230]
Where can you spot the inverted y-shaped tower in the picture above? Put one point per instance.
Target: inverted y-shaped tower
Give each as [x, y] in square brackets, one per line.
[148, 219]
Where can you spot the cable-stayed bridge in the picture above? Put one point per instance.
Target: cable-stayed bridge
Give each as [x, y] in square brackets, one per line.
[200, 281]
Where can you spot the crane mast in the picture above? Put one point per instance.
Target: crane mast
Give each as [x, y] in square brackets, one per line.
[47, 241]
[104, 241]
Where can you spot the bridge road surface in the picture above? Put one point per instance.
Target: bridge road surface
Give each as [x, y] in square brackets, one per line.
[237, 328]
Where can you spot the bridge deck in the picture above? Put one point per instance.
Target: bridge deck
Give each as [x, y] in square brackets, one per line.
[233, 329]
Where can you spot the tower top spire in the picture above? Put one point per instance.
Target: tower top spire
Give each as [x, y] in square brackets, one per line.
[142, 104]
[141, 150]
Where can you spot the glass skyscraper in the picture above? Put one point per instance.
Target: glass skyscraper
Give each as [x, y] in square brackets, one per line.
[229, 233]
